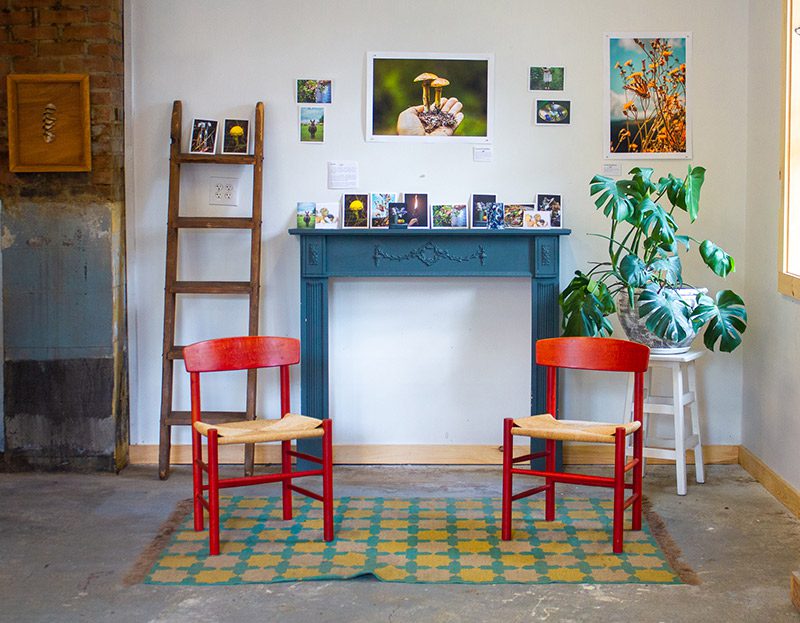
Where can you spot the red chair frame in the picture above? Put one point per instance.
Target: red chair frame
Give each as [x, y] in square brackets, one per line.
[249, 353]
[584, 353]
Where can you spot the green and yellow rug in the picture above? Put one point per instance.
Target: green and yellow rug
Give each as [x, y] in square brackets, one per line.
[442, 540]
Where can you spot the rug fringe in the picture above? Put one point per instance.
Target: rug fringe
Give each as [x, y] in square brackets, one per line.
[671, 550]
[138, 572]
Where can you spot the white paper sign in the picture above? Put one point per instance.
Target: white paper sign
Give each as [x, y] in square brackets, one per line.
[342, 174]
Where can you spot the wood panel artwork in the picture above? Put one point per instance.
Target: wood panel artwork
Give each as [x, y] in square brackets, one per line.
[48, 123]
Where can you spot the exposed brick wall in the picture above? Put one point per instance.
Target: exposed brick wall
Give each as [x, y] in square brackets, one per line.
[63, 240]
[68, 36]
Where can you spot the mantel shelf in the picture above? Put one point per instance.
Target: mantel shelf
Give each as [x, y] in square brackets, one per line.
[422, 231]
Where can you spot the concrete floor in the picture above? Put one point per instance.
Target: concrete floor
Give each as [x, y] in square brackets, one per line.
[68, 540]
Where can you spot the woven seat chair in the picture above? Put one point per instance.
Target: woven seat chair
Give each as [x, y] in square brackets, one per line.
[585, 353]
[249, 353]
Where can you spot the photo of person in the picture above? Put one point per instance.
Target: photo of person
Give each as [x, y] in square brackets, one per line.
[546, 79]
[417, 209]
[314, 91]
[430, 96]
[204, 136]
[551, 204]
[312, 124]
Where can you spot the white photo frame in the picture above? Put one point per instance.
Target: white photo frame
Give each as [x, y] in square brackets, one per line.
[203, 138]
[461, 210]
[235, 136]
[382, 120]
[622, 48]
[553, 203]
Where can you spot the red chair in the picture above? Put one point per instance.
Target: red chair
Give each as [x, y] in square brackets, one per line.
[248, 353]
[583, 353]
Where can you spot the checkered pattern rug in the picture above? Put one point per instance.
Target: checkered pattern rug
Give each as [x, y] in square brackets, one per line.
[442, 540]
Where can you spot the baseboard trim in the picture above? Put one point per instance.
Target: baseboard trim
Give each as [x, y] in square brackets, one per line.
[574, 454]
[770, 480]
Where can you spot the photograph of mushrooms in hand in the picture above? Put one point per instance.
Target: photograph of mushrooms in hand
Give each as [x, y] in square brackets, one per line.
[429, 97]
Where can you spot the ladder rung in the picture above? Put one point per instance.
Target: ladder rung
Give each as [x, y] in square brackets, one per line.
[216, 158]
[215, 222]
[211, 287]
[179, 418]
[176, 352]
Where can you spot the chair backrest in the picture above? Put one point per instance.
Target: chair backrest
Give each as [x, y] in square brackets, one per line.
[593, 353]
[241, 353]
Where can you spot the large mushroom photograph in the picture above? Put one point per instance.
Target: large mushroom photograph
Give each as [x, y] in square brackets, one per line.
[429, 97]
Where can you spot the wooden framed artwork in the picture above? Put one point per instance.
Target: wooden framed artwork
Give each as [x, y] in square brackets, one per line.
[48, 123]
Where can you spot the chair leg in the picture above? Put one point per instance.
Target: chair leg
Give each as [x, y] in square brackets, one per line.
[286, 483]
[213, 493]
[508, 452]
[619, 489]
[197, 480]
[550, 492]
[638, 444]
[327, 481]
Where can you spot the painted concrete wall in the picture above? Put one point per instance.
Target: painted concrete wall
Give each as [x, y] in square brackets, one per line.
[460, 348]
[771, 426]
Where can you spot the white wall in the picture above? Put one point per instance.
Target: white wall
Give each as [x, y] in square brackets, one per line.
[458, 349]
[771, 426]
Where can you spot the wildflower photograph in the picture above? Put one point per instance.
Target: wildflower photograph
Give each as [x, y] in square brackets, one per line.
[204, 136]
[356, 211]
[647, 88]
[379, 209]
[234, 139]
[429, 97]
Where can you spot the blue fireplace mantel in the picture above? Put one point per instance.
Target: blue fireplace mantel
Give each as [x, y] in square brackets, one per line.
[415, 253]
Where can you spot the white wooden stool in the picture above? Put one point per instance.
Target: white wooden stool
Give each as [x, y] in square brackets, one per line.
[682, 397]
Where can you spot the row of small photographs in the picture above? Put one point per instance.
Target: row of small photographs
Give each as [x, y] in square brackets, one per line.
[235, 136]
[386, 211]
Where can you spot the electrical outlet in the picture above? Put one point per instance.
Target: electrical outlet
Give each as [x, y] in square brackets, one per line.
[223, 191]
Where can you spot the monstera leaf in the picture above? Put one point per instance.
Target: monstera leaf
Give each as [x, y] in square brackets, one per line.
[668, 268]
[726, 318]
[634, 271]
[716, 259]
[585, 304]
[611, 197]
[666, 313]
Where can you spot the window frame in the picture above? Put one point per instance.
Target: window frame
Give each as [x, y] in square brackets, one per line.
[789, 282]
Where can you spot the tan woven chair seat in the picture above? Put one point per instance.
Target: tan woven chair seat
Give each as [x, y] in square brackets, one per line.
[291, 426]
[547, 427]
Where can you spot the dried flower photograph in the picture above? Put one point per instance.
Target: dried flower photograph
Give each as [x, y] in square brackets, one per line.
[647, 96]
[204, 136]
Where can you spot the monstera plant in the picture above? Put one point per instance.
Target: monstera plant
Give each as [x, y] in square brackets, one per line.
[644, 272]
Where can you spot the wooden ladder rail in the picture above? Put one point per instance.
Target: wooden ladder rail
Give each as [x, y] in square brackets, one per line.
[172, 352]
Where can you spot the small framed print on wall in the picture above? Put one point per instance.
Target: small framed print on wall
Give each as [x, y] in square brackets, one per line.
[48, 123]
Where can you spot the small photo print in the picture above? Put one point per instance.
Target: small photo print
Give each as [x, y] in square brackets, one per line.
[398, 216]
[449, 216]
[312, 124]
[513, 213]
[553, 112]
[328, 215]
[356, 211]
[495, 216]
[314, 91]
[204, 136]
[479, 209]
[235, 136]
[551, 204]
[417, 209]
[306, 215]
[379, 209]
[546, 79]
[534, 219]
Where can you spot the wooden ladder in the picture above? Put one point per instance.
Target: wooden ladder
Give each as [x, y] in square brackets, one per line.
[172, 287]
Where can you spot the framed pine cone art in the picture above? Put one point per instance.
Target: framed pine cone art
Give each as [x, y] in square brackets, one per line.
[48, 123]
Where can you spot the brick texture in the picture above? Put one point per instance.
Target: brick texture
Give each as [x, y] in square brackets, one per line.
[68, 36]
